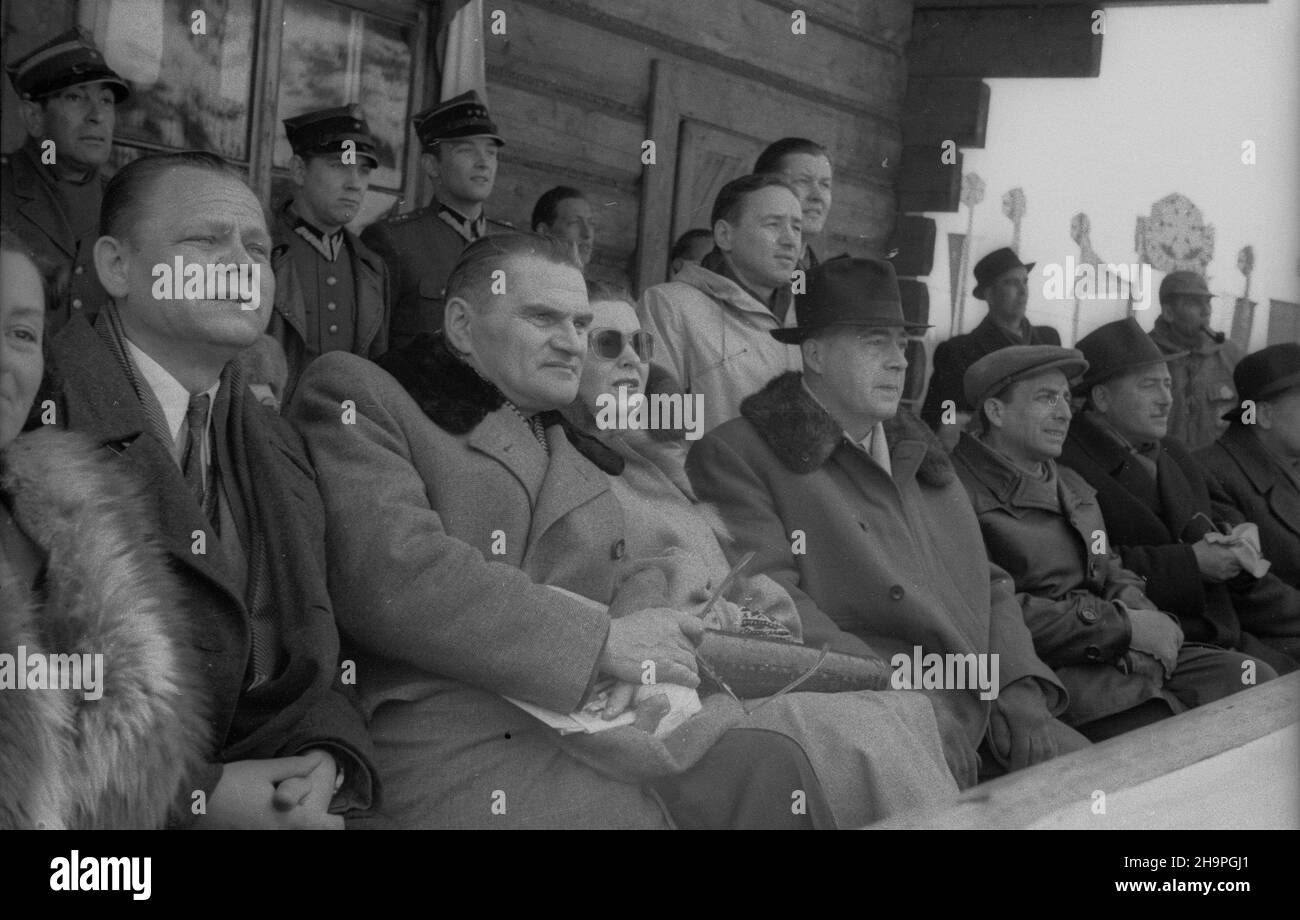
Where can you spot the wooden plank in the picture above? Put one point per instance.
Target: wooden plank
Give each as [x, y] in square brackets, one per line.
[1052, 42]
[926, 183]
[883, 22]
[936, 109]
[520, 184]
[567, 133]
[755, 42]
[1020, 799]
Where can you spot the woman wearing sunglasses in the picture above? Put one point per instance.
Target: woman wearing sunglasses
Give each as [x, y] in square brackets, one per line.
[110, 743]
[875, 753]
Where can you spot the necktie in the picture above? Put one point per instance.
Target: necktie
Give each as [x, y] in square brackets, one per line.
[196, 420]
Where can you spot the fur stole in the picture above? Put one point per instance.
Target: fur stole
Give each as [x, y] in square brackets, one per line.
[120, 761]
[803, 435]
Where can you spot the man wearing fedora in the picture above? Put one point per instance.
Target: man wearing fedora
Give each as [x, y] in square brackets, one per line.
[854, 508]
[331, 289]
[1002, 280]
[1257, 460]
[460, 144]
[1123, 661]
[1200, 360]
[1160, 509]
[52, 186]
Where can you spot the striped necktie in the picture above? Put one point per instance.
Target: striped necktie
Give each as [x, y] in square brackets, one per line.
[196, 421]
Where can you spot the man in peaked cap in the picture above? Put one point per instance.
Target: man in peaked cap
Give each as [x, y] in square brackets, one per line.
[331, 289]
[460, 143]
[51, 187]
[1200, 362]
[853, 507]
[1257, 460]
[1167, 520]
[1123, 661]
[1002, 280]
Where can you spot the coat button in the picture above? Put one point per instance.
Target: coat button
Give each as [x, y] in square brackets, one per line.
[1092, 653]
[76, 303]
[896, 592]
[331, 306]
[80, 270]
[619, 549]
[1088, 615]
[331, 280]
[333, 328]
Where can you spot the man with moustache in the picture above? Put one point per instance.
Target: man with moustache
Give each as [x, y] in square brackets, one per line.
[51, 187]
[331, 289]
[853, 507]
[460, 143]
[1123, 661]
[806, 168]
[1002, 280]
[155, 382]
[1200, 361]
[713, 320]
[1160, 508]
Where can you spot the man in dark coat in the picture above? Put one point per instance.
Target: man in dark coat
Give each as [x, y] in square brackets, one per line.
[1257, 461]
[331, 290]
[1002, 280]
[856, 512]
[1159, 508]
[154, 381]
[51, 187]
[1123, 661]
[421, 248]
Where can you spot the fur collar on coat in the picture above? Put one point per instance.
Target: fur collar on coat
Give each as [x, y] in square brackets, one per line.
[457, 399]
[122, 760]
[803, 435]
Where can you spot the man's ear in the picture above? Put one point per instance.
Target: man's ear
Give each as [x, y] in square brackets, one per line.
[996, 412]
[811, 348]
[34, 119]
[113, 265]
[429, 163]
[456, 325]
[298, 170]
[722, 233]
[1101, 398]
[1264, 415]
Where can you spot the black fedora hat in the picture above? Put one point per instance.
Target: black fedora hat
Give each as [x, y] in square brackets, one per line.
[1116, 348]
[1266, 373]
[847, 292]
[993, 266]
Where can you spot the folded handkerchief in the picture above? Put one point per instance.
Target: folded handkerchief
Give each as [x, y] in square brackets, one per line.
[1244, 543]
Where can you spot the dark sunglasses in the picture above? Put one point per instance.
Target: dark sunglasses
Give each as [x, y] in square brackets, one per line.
[609, 343]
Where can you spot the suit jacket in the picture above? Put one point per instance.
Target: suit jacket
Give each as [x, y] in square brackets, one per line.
[446, 523]
[1260, 491]
[289, 321]
[304, 705]
[953, 357]
[31, 208]
[886, 562]
[420, 249]
[1153, 526]
[1067, 583]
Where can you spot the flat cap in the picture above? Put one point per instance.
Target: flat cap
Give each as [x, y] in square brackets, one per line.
[1185, 283]
[462, 116]
[1001, 368]
[326, 131]
[69, 59]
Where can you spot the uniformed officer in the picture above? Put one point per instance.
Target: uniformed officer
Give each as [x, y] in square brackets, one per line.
[421, 248]
[1202, 381]
[51, 187]
[331, 289]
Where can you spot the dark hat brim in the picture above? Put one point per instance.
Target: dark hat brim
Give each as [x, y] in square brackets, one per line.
[793, 335]
[1275, 388]
[1063, 364]
[121, 90]
[982, 289]
[1090, 381]
[458, 136]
